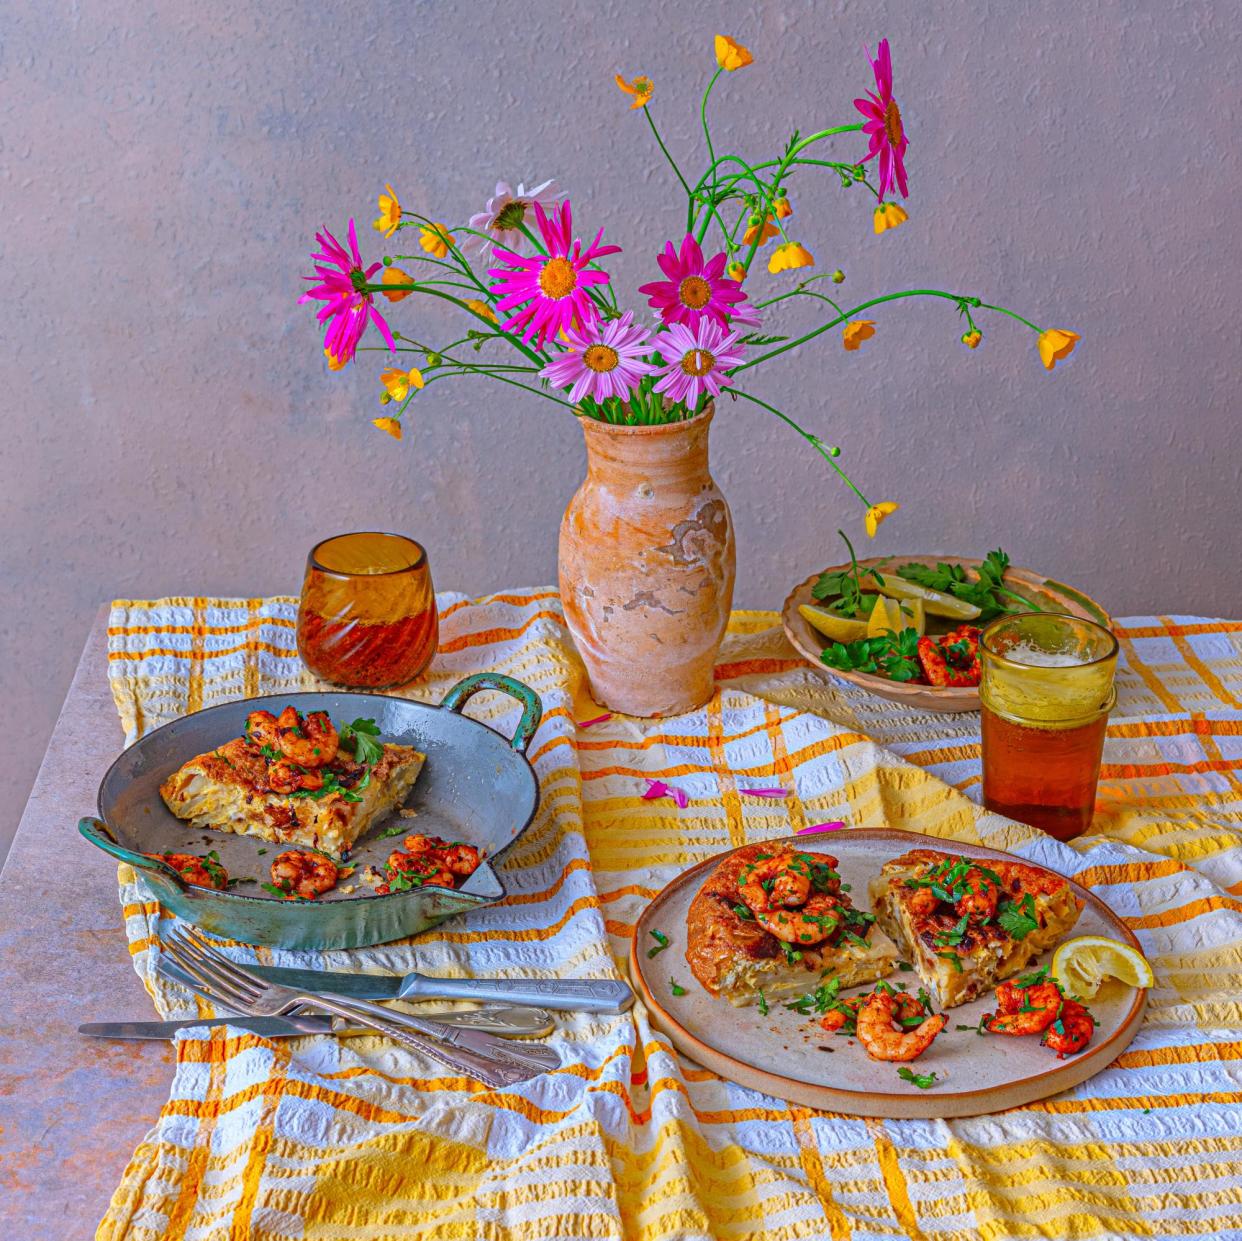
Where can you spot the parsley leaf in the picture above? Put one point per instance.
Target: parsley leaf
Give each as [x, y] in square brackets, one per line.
[987, 592]
[924, 1081]
[763, 1003]
[743, 913]
[951, 939]
[1019, 921]
[953, 957]
[397, 829]
[661, 942]
[362, 733]
[676, 987]
[846, 587]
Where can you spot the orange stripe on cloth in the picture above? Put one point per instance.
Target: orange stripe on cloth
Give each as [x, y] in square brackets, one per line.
[754, 667]
[1184, 913]
[516, 600]
[895, 1181]
[489, 637]
[813, 1167]
[1127, 872]
[1149, 678]
[261, 1142]
[1170, 628]
[731, 802]
[1186, 1053]
[117, 631]
[281, 652]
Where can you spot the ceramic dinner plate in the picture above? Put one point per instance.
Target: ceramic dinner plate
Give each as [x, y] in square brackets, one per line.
[1042, 591]
[788, 1055]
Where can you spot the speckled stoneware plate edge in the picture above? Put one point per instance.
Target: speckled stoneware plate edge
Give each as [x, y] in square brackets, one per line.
[910, 1103]
[809, 643]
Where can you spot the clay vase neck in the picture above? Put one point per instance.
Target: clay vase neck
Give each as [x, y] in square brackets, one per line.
[647, 564]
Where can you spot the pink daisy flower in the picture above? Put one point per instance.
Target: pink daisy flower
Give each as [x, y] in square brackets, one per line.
[505, 210]
[346, 312]
[696, 360]
[888, 137]
[550, 289]
[694, 290]
[605, 360]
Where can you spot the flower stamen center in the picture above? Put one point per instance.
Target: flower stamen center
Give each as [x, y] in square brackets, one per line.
[698, 362]
[694, 292]
[510, 215]
[558, 278]
[892, 122]
[601, 359]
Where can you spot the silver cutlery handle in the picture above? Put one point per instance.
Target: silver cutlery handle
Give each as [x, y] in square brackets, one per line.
[584, 995]
[496, 1070]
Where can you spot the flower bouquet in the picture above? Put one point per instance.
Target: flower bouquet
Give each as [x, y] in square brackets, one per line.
[647, 558]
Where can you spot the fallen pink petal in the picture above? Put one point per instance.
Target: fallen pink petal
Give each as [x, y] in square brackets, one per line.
[657, 788]
[834, 826]
[765, 792]
[599, 719]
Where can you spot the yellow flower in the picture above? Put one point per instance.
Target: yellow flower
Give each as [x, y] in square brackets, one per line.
[1056, 344]
[855, 333]
[394, 275]
[783, 209]
[971, 339]
[769, 230]
[480, 308]
[398, 383]
[436, 239]
[391, 425]
[889, 215]
[877, 513]
[641, 88]
[389, 212]
[334, 363]
[731, 55]
[789, 255]
[736, 271]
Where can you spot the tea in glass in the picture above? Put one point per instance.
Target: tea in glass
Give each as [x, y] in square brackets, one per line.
[368, 616]
[1046, 692]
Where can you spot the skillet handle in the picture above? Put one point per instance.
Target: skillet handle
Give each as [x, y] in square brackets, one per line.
[100, 835]
[532, 710]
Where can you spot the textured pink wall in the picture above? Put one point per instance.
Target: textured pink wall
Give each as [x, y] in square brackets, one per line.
[166, 424]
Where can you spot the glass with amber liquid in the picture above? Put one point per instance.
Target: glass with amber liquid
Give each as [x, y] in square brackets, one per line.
[1046, 691]
[367, 618]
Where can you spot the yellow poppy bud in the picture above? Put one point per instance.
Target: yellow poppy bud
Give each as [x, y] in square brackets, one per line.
[971, 339]
[769, 231]
[736, 271]
[1056, 344]
[481, 308]
[398, 383]
[391, 425]
[783, 209]
[389, 212]
[641, 88]
[436, 240]
[877, 513]
[731, 55]
[838, 276]
[788, 256]
[394, 275]
[888, 215]
[856, 332]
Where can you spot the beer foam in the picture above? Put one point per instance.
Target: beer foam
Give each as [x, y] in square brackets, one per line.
[1035, 657]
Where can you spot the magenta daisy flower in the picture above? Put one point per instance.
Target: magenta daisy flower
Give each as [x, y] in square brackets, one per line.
[694, 290]
[605, 360]
[347, 310]
[888, 137]
[695, 360]
[550, 289]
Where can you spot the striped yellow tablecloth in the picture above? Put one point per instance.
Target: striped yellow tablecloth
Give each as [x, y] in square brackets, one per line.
[319, 1139]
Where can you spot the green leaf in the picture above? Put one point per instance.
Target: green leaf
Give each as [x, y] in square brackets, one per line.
[676, 987]
[362, 734]
[763, 1003]
[951, 939]
[1019, 921]
[661, 942]
[924, 1081]
[274, 890]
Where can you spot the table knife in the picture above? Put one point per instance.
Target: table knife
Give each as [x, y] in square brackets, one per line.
[268, 1027]
[584, 995]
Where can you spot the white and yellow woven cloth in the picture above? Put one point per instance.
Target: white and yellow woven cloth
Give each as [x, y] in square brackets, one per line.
[315, 1138]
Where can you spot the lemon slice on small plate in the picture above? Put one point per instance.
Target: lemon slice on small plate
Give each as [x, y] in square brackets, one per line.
[838, 628]
[936, 602]
[1081, 965]
[885, 616]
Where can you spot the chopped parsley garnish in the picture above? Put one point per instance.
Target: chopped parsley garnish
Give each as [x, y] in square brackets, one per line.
[1030, 980]
[262, 852]
[763, 1003]
[661, 942]
[792, 955]
[403, 880]
[363, 733]
[978, 1029]
[854, 939]
[951, 939]
[271, 754]
[217, 873]
[904, 966]
[395, 830]
[1018, 920]
[953, 957]
[332, 784]
[676, 987]
[743, 913]
[924, 1081]
[274, 890]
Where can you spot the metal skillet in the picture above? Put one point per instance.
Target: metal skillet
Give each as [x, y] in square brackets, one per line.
[476, 786]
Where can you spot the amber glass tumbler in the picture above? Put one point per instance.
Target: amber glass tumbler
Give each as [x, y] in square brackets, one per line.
[368, 616]
[1047, 690]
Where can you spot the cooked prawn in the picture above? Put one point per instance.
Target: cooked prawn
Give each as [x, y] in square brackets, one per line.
[195, 870]
[979, 899]
[305, 875]
[284, 777]
[309, 742]
[454, 856]
[787, 885]
[1024, 1010]
[1076, 1028]
[812, 924]
[880, 1036]
[261, 728]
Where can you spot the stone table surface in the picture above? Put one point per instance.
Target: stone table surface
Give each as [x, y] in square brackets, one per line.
[72, 1109]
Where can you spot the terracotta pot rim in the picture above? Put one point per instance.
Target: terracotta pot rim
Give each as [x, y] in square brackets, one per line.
[659, 428]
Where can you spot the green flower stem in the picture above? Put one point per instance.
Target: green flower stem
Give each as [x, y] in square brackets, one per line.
[481, 369]
[707, 133]
[814, 440]
[1012, 314]
[672, 163]
[875, 301]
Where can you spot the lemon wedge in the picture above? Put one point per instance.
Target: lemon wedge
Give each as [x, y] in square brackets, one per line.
[838, 628]
[935, 602]
[1081, 965]
[915, 614]
[885, 615]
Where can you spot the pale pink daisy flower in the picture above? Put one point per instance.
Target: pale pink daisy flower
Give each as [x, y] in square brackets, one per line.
[347, 310]
[604, 360]
[550, 291]
[695, 290]
[888, 135]
[505, 210]
[696, 361]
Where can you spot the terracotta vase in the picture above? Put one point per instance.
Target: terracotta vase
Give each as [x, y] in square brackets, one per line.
[647, 562]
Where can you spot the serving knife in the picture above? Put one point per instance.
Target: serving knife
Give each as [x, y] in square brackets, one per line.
[268, 1027]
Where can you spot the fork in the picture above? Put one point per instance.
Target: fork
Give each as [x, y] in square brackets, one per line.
[485, 1058]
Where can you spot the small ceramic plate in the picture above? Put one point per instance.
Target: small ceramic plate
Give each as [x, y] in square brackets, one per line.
[788, 1055]
[1045, 593]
